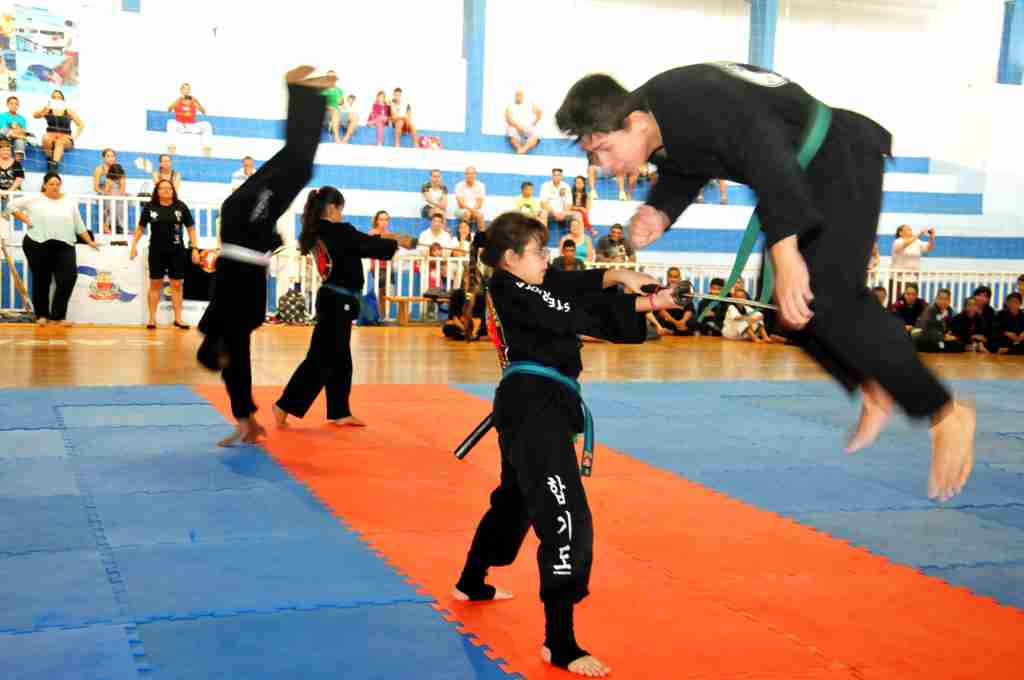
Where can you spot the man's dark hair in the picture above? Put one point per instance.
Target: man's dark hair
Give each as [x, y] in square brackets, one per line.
[1014, 296]
[673, 269]
[14, 98]
[596, 103]
[511, 231]
[1020, 278]
[568, 243]
[615, 226]
[115, 171]
[524, 185]
[940, 291]
[879, 288]
[982, 290]
[908, 286]
[554, 170]
[717, 282]
[248, 158]
[397, 89]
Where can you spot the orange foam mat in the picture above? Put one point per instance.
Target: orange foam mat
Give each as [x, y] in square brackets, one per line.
[687, 582]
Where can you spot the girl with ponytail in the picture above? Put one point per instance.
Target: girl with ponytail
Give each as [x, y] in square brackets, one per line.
[338, 249]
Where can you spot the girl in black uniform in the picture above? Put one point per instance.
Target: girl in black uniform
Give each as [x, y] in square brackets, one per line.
[743, 123]
[338, 248]
[248, 236]
[538, 315]
[167, 218]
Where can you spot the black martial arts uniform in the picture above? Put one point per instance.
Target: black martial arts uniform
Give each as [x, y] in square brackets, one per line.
[931, 329]
[739, 122]
[536, 418]
[167, 223]
[248, 226]
[678, 315]
[1006, 322]
[328, 364]
[909, 314]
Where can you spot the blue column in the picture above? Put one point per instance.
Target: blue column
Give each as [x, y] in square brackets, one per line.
[131, 5]
[1011, 50]
[473, 25]
[764, 16]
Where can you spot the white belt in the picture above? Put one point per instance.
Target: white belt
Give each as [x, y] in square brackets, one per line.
[233, 251]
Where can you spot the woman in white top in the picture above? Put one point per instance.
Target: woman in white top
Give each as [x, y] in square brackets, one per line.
[908, 248]
[52, 221]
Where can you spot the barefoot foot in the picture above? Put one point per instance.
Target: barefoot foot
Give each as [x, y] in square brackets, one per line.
[280, 417]
[588, 666]
[874, 415]
[350, 421]
[952, 450]
[499, 594]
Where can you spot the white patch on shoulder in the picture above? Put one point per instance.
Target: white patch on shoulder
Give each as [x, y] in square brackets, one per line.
[752, 74]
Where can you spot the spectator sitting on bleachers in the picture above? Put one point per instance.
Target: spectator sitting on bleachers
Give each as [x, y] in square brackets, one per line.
[567, 261]
[556, 200]
[932, 333]
[470, 195]
[12, 175]
[614, 247]
[464, 238]
[593, 172]
[58, 137]
[882, 295]
[166, 171]
[185, 109]
[14, 128]
[99, 174]
[248, 169]
[348, 118]
[436, 234]
[909, 307]
[722, 190]
[528, 204]
[401, 118]
[332, 116]
[1009, 327]
[676, 321]
[1020, 284]
[584, 244]
[969, 327]
[742, 323]
[115, 220]
[581, 203]
[522, 118]
[435, 196]
[380, 116]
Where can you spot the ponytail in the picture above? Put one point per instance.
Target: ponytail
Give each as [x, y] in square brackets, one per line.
[312, 214]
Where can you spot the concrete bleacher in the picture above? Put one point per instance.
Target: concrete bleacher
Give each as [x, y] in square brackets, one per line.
[387, 178]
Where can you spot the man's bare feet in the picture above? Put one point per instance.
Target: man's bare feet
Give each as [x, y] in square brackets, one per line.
[874, 415]
[41, 321]
[350, 421]
[248, 431]
[498, 595]
[588, 666]
[280, 417]
[952, 450]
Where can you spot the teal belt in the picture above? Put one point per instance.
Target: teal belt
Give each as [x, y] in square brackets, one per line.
[342, 290]
[813, 137]
[532, 368]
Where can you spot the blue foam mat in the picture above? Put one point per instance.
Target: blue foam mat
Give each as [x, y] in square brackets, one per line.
[55, 589]
[20, 478]
[28, 414]
[43, 523]
[282, 510]
[183, 580]
[139, 442]
[369, 643]
[124, 415]
[1004, 583]
[32, 444]
[149, 394]
[94, 653]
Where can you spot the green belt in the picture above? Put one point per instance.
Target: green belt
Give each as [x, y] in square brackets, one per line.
[587, 463]
[813, 136]
[342, 290]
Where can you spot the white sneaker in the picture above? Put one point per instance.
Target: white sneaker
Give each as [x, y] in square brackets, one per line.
[623, 196]
[593, 195]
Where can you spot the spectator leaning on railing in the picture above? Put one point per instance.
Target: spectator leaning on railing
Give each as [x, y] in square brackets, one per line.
[436, 233]
[167, 172]
[114, 210]
[52, 221]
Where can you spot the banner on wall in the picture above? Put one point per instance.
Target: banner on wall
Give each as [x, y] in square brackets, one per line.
[39, 48]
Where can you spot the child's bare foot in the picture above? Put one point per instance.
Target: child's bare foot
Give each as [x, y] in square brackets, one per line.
[952, 450]
[350, 421]
[588, 666]
[874, 415]
[498, 595]
[280, 417]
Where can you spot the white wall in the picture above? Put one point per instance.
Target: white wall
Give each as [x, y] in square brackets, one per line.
[544, 46]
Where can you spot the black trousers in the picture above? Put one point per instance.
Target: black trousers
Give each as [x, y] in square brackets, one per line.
[540, 488]
[49, 261]
[850, 335]
[328, 364]
[249, 217]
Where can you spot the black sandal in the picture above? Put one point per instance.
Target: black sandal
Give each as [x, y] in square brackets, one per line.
[150, 326]
[182, 326]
